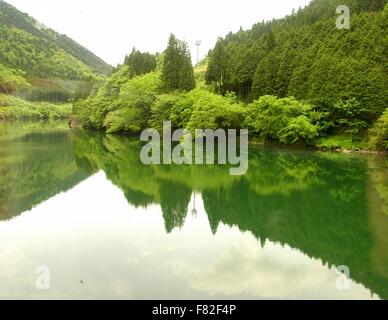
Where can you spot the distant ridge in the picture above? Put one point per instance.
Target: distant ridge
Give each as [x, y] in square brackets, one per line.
[11, 19]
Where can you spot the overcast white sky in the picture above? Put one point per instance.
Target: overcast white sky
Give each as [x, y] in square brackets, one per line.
[111, 28]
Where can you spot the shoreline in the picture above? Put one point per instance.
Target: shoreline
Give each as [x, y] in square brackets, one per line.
[73, 123]
[315, 148]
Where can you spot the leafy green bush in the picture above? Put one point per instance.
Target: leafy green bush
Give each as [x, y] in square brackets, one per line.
[379, 132]
[176, 108]
[126, 119]
[284, 120]
[346, 116]
[298, 129]
[92, 111]
[211, 111]
[134, 101]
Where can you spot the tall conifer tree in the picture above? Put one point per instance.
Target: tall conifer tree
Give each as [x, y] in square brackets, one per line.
[177, 71]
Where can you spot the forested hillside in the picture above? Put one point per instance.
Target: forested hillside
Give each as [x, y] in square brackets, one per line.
[305, 56]
[37, 57]
[37, 64]
[25, 33]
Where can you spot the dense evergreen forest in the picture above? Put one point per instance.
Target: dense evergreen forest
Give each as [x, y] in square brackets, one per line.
[294, 80]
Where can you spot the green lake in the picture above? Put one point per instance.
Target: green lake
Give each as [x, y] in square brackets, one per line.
[108, 227]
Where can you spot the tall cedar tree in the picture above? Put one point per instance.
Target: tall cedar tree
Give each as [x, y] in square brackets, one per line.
[217, 68]
[177, 71]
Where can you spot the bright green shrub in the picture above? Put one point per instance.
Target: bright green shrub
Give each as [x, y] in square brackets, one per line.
[284, 120]
[105, 100]
[211, 111]
[133, 107]
[176, 108]
[298, 129]
[126, 119]
[111, 108]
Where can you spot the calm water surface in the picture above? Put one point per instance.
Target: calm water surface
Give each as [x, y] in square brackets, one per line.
[109, 227]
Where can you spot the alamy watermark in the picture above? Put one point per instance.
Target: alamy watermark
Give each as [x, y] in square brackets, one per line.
[205, 142]
[343, 278]
[343, 20]
[42, 281]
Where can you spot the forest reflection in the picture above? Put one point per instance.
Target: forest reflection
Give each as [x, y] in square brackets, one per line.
[332, 207]
[323, 204]
[36, 163]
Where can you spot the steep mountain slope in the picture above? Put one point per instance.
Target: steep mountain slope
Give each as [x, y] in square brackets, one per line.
[41, 52]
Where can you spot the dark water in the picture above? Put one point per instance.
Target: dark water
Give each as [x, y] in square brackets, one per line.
[81, 207]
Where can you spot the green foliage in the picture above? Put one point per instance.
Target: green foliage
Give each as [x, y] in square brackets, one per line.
[336, 78]
[218, 66]
[92, 111]
[197, 109]
[124, 97]
[140, 63]
[265, 76]
[177, 72]
[176, 108]
[124, 102]
[341, 141]
[15, 108]
[298, 129]
[347, 117]
[11, 80]
[200, 71]
[132, 109]
[56, 90]
[284, 120]
[379, 132]
[211, 111]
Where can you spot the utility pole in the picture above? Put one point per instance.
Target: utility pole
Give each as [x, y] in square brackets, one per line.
[198, 43]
